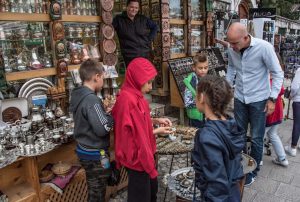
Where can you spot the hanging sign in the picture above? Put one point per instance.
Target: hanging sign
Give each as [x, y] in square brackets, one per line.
[262, 13]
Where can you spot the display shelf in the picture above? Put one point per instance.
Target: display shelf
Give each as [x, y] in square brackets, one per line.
[177, 55]
[21, 192]
[35, 73]
[7, 16]
[80, 18]
[177, 22]
[195, 22]
[33, 17]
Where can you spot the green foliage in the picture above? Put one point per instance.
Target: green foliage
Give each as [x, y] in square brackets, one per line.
[283, 7]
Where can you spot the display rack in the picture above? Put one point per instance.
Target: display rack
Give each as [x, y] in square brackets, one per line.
[20, 180]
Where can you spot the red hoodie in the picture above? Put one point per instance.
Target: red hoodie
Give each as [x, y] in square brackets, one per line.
[277, 116]
[135, 143]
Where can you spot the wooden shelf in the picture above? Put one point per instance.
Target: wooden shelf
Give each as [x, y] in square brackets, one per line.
[80, 18]
[37, 17]
[195, 22]
[21, 192]
[35, 73]
[8, 16]
[177, 22]
[177, 55]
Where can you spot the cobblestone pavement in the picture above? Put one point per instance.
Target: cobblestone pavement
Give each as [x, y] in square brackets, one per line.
[273, 184]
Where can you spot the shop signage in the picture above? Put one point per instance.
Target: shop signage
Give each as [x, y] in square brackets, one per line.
[262, 13]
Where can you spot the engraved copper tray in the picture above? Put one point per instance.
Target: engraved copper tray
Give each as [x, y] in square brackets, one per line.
[110, 59]
[108, 31]
[107, 5]
[107, 17]
[109, 45]
[11, 114]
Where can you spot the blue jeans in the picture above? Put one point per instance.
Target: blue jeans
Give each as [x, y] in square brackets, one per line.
[296, 124]
[272, 133]
[254, 114]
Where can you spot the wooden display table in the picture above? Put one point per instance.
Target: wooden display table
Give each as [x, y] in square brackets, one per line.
[20, 180]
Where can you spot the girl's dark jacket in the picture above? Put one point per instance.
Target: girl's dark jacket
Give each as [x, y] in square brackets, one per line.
[217, 159]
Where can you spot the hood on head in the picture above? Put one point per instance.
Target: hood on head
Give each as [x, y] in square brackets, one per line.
[78, 94]
[139, 71]
[232, 136]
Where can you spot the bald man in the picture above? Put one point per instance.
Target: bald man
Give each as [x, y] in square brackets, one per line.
[250, 61]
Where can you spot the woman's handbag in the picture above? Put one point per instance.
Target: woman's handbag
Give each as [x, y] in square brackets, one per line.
[114, 177]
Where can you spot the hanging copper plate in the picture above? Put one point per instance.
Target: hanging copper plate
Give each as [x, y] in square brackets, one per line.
[107, 5]
[11, 114]
[166, 40]
[165, 25]
[58, 31]
[165, 10]
[166, 54]
[108, 31]
[107, 17]
[109, 45]
[110, 59]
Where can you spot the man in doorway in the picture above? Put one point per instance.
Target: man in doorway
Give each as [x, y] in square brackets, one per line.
[135, 32]
[250, 61]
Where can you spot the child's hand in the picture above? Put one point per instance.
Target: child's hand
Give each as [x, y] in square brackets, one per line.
[163, 130]
[163, 122]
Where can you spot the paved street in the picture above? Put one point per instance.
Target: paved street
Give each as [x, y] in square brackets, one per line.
[273, 184]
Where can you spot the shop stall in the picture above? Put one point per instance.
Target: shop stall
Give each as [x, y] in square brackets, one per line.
[42, 44]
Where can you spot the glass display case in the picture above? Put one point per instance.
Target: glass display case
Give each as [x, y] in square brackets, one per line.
[25, 46]
[176, 9]
[197, 9]
[196, 38]
[177, 39]
[82, 41]
[24, 6]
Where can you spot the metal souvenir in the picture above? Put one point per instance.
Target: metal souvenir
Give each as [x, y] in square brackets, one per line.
[107, 5]
[166, 54]
[62, 68]
[75, 57]
[107, 17]
[165, 10]
[60, 49]
[109, 45]
[58, 30]
[166, 40]
[165, 25]
[11, 114]
[108, 31]
[55, 10]
[110, 59]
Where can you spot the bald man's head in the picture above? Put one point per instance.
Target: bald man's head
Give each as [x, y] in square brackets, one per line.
[237, 36]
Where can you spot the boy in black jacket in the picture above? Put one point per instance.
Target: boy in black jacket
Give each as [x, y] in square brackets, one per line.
[92, 126]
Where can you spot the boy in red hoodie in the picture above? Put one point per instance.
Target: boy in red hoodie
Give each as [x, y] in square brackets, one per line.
[135, 144]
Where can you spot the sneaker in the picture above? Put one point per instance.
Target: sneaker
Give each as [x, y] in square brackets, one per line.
[290, 151]
[249, 180]
[261, 163]
[284, 162]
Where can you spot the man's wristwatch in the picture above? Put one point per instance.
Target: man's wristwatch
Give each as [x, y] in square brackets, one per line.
[272, 99]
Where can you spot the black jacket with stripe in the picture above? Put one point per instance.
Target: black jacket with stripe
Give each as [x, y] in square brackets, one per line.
[92, 123]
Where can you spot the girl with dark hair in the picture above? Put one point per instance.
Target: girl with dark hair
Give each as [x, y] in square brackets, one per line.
[218, 146]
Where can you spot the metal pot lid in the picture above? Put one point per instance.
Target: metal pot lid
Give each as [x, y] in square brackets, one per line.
[107, 17]
[109, 45]
[107, 5]
[108, 31]
[110, 59]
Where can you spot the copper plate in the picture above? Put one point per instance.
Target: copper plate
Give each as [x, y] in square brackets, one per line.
[109, 45]
[11, 114]
[108, 31]
[46, 176]
[58, 30]
[165, 10]
[110, 59]
[107, 5]
[107, 17]
[166, 40]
